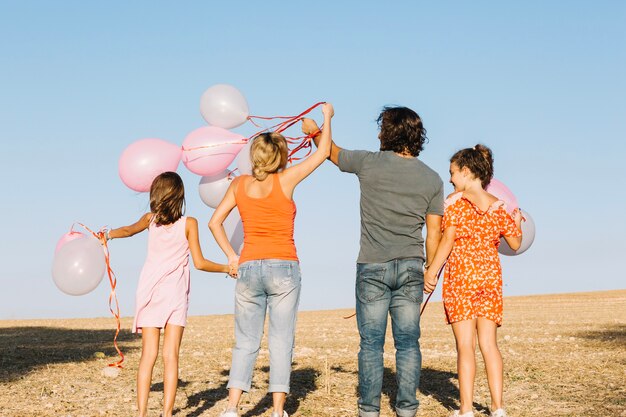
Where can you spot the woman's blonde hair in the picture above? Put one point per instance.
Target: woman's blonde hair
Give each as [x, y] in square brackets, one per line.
[268, 153]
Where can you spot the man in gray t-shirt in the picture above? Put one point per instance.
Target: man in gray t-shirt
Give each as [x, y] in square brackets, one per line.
[399, 195]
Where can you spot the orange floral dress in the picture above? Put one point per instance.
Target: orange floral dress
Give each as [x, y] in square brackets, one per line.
[472, 284]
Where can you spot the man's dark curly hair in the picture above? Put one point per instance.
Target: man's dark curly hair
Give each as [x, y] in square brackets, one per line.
[401, 130]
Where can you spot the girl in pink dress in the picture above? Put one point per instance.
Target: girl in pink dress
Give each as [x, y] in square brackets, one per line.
[162, 296]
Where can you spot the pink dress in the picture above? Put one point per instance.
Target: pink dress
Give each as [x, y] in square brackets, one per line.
[163, 289]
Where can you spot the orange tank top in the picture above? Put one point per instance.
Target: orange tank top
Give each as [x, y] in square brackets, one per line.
[267, 223]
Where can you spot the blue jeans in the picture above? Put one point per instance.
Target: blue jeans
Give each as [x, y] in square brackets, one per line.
[392, 288]
[272, 285]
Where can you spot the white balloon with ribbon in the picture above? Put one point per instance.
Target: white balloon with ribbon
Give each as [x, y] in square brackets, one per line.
[224, 106]
[79, 265]
[528, 237]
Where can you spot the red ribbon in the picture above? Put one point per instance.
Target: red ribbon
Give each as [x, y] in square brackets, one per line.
[301, 142]
[112, 295]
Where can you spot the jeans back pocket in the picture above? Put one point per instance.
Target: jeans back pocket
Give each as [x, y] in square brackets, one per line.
[370, 282]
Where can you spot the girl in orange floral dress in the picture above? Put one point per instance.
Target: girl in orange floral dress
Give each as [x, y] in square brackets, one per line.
[473, 223]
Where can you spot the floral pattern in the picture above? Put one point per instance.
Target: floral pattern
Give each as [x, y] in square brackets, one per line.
[472, 285]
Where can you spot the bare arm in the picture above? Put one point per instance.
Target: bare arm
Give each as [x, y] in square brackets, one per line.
[191, 231]
[443, 251]
[310, 127]
[293, 175]
[515, 242]
[433, 236]
[127, 231]
[216, 225]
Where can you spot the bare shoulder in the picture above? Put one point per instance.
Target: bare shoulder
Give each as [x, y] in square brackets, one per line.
[146, 218]
[491, 198]
[191, 223]
[452, 198]
[238, 180]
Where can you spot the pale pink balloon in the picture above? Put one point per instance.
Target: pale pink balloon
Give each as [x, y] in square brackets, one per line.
[68, 237]
[79, 266]
[503, 193]
[145, 159]
[209, 150]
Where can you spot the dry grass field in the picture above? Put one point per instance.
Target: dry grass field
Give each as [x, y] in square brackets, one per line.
[565, 355]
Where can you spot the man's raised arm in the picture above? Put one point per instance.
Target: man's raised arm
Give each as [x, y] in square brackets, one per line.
[309, 127]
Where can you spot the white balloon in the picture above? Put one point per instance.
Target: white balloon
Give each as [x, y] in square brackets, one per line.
[234, 230]
[244, 163]
[213, 188]
[224, 106]
[79, 266]
[528, 237]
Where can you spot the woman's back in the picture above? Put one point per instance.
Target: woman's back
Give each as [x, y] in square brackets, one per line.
[268, 219]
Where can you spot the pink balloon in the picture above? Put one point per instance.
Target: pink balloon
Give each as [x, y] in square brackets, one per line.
[68, 237]
[209, 150]
[145, 159]
[503, 193]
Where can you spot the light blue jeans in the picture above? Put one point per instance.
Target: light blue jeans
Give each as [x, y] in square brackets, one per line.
[392, 288]
[272, 285]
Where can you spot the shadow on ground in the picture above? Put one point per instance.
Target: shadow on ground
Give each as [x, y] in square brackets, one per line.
[302, 382]
[440, 385]
[23, 349]
[615, 334]
[202, 401]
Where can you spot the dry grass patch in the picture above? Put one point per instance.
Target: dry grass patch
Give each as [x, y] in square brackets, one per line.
[565, 355]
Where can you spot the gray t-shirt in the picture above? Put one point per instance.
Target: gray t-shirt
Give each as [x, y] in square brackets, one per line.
[396, 195]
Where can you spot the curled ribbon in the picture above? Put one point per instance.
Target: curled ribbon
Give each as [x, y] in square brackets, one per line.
[112, 295]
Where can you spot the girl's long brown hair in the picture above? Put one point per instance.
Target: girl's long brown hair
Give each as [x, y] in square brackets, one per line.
[167, 198]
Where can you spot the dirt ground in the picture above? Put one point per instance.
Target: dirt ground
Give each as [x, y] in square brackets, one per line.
[565, 355]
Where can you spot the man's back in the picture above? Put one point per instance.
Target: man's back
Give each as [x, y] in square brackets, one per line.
[396, 195]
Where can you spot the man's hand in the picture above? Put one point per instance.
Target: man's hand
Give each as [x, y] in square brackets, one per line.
[309, 127]
[430, 280]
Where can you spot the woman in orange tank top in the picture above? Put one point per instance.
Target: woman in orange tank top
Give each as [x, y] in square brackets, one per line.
[268, 276]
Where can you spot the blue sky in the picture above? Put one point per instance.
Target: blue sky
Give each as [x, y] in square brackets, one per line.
[541, 83]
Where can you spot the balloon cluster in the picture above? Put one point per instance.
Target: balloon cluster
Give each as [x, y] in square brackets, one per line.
[79, 262]
[206, 151]
[503, 193]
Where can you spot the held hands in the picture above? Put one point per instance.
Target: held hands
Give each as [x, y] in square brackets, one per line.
[430, 280]
[233, 266]
[310, 128]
